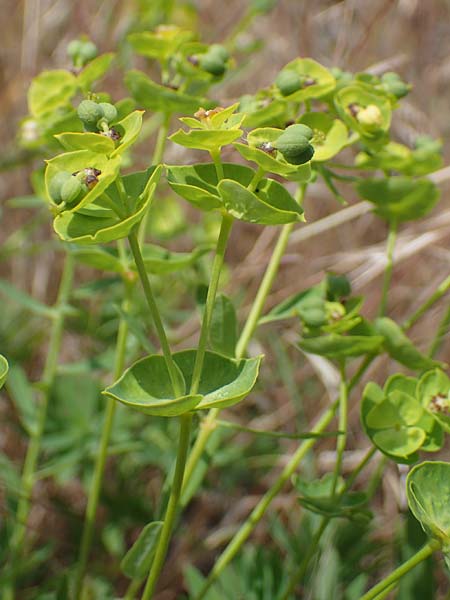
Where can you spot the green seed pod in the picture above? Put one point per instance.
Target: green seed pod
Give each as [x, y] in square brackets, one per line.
[370, 117]
[288, 82]
[55, 185]
[294, 144]
[338, 286]
[70, 189]
[393, 84]
[314, 317]
[109, 111]
[74, 49]
[212, 64]
[89, 112]
[88, 51]
[219, 51]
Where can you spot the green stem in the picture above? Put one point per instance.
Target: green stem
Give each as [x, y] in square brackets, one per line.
[102, 454]
[392, 237]
[258, 512]
[442, 330]
[172, 507]
[402, 570]
[343, 417]
[435, 296]
[215, 155]
[258, 175]
[170, 364]
[225, 229]
[157, 158]
[51, 364]
[132, 589]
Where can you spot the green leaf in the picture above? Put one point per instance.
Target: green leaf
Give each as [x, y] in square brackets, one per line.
[77, 161]
[159, 98]
[146, 386]
[50, 90]
[223, 326]
[4, 367]
[433, 392]
[330, 135]
[270, 204]
[129, 129]
[400, 347]
[95, 142]
[22, 395]
[94, 71]
[428, 493]
[137, 561]
[160, 261]
[24, 300]
[340, 346]
[100, 227]
[399, 199]
[104, 259]
[205, 139]
[401, 443]
[160, 44]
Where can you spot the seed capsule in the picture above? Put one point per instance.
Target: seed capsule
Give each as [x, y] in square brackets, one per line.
[55, 185]
[213, 64]
[294, 144]
[89, 112]
[219, 51]
[288, 82]
[109, 111]
[70, 189]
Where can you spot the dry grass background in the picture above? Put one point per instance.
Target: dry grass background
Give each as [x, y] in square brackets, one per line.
[410, 36]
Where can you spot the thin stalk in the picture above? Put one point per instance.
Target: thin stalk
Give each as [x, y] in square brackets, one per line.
[258, 512]
[172, 507]
[132, 589]
[259, 174]
[392, 237]
[442, 330]
[435, 296]
[51, 364]
[102, 454]
[402, 570]
[158, 154]
[225, 229]
[170, 364]
[215, 155]
[343, 418]
[186, 420]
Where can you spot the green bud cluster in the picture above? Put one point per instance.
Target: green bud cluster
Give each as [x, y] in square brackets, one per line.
[394, 85]
[81, 52]
[294, 144]
[214, 61]
[96, 116]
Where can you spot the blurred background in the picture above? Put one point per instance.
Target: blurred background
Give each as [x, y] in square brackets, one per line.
[407, 36]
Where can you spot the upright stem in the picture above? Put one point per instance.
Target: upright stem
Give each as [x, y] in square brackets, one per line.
[342, 437]
[172, 507]
[171, 366]
[186, 420]
[157, 157]
[389, 266]
[225, 229]
[102, 454]
[209, 424]
[402, 570]
[48, 376]
[423, 308]
[442, 330]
